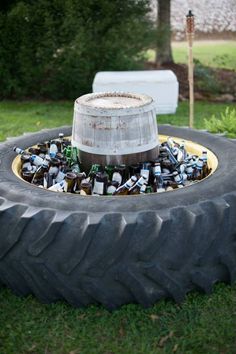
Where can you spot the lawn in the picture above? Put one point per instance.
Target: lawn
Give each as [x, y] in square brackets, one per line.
[19, 117]
[201, 324]
[219, 54]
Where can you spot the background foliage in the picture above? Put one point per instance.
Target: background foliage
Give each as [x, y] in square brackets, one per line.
[53, 48]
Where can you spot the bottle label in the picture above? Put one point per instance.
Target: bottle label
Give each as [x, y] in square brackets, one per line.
[143, 188]
[145, 173]
[178, 179]
[19, 151]
[98, 187]
[60, 176]
[27, 166]
[53, 150]
[129, 183]
[157, 170]
[189, 170]
[36, 160]
[199, 164]
[111, 190]
[140, 182]
[117, 177]
[59, 187]
[53, 170]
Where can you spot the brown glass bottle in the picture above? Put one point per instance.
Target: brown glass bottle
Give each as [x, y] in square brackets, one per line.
[124, 189]
[80, 177]
[85, 187]
[138, 185]
[71, 179]
[100, 183]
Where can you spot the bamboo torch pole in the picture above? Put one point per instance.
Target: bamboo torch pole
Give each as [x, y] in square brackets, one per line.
[190, 36]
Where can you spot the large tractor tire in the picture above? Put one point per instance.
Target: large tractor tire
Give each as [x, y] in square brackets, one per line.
[118, 250]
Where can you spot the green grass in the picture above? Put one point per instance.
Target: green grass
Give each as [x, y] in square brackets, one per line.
[19, 117]
[219, 54]
[201, 324]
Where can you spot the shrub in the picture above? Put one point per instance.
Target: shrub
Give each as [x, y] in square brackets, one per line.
[225, 124]
[53, 48]
[206, 78]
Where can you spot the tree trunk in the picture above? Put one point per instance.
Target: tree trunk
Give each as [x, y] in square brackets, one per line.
[163, 42]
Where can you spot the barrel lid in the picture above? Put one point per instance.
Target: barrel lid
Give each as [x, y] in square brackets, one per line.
[104, 78]
[114, 100]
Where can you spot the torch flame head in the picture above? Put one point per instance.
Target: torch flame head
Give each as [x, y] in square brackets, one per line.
[190, 14]
[190, 22]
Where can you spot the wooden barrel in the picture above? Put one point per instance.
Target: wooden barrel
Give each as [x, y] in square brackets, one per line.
[113, 128]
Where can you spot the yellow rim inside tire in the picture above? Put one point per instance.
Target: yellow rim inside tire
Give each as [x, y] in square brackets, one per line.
[191, 147]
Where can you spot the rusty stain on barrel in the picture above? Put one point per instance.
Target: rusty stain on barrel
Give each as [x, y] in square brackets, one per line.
[115, 128]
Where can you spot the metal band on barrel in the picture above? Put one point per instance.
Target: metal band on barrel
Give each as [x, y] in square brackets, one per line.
[118, 112]
[119, 151]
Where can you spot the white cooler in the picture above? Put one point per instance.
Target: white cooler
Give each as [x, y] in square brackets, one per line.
[161, 85]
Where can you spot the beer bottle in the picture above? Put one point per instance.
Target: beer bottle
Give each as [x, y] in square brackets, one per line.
[61, 173]
[36, 160]
[53, 150]
[85, 187]
[38, 178]
[118, 175]
[198, 169]
[71, 154]
[58, 187]
[74, 156]
[61, 141]
[100, 183]
[93, 171]
[162, 151]
[20, 151]
[149, 189]
[178, 179]
[146, 170]
[48, 180]
[28, 175]
[42, 148]
[124, 189]
[71, 179]
[169, 147]
[26, 166]
[34, 151]
[80, 177]
[158, 182]
[182, 154]
[168, 165]
[25, 163]
[109, 169]
[205, 169]
[189, 171]
[134, 170]
[60, 156]
[75, 168]
[54, 166]
[170, 143]
[143, 188]
[67, 153]
[136, 188]
[112, 187]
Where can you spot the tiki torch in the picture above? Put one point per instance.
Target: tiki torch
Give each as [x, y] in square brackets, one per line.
[190, 36]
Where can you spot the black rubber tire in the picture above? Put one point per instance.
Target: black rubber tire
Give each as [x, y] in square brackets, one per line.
[118, 250]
